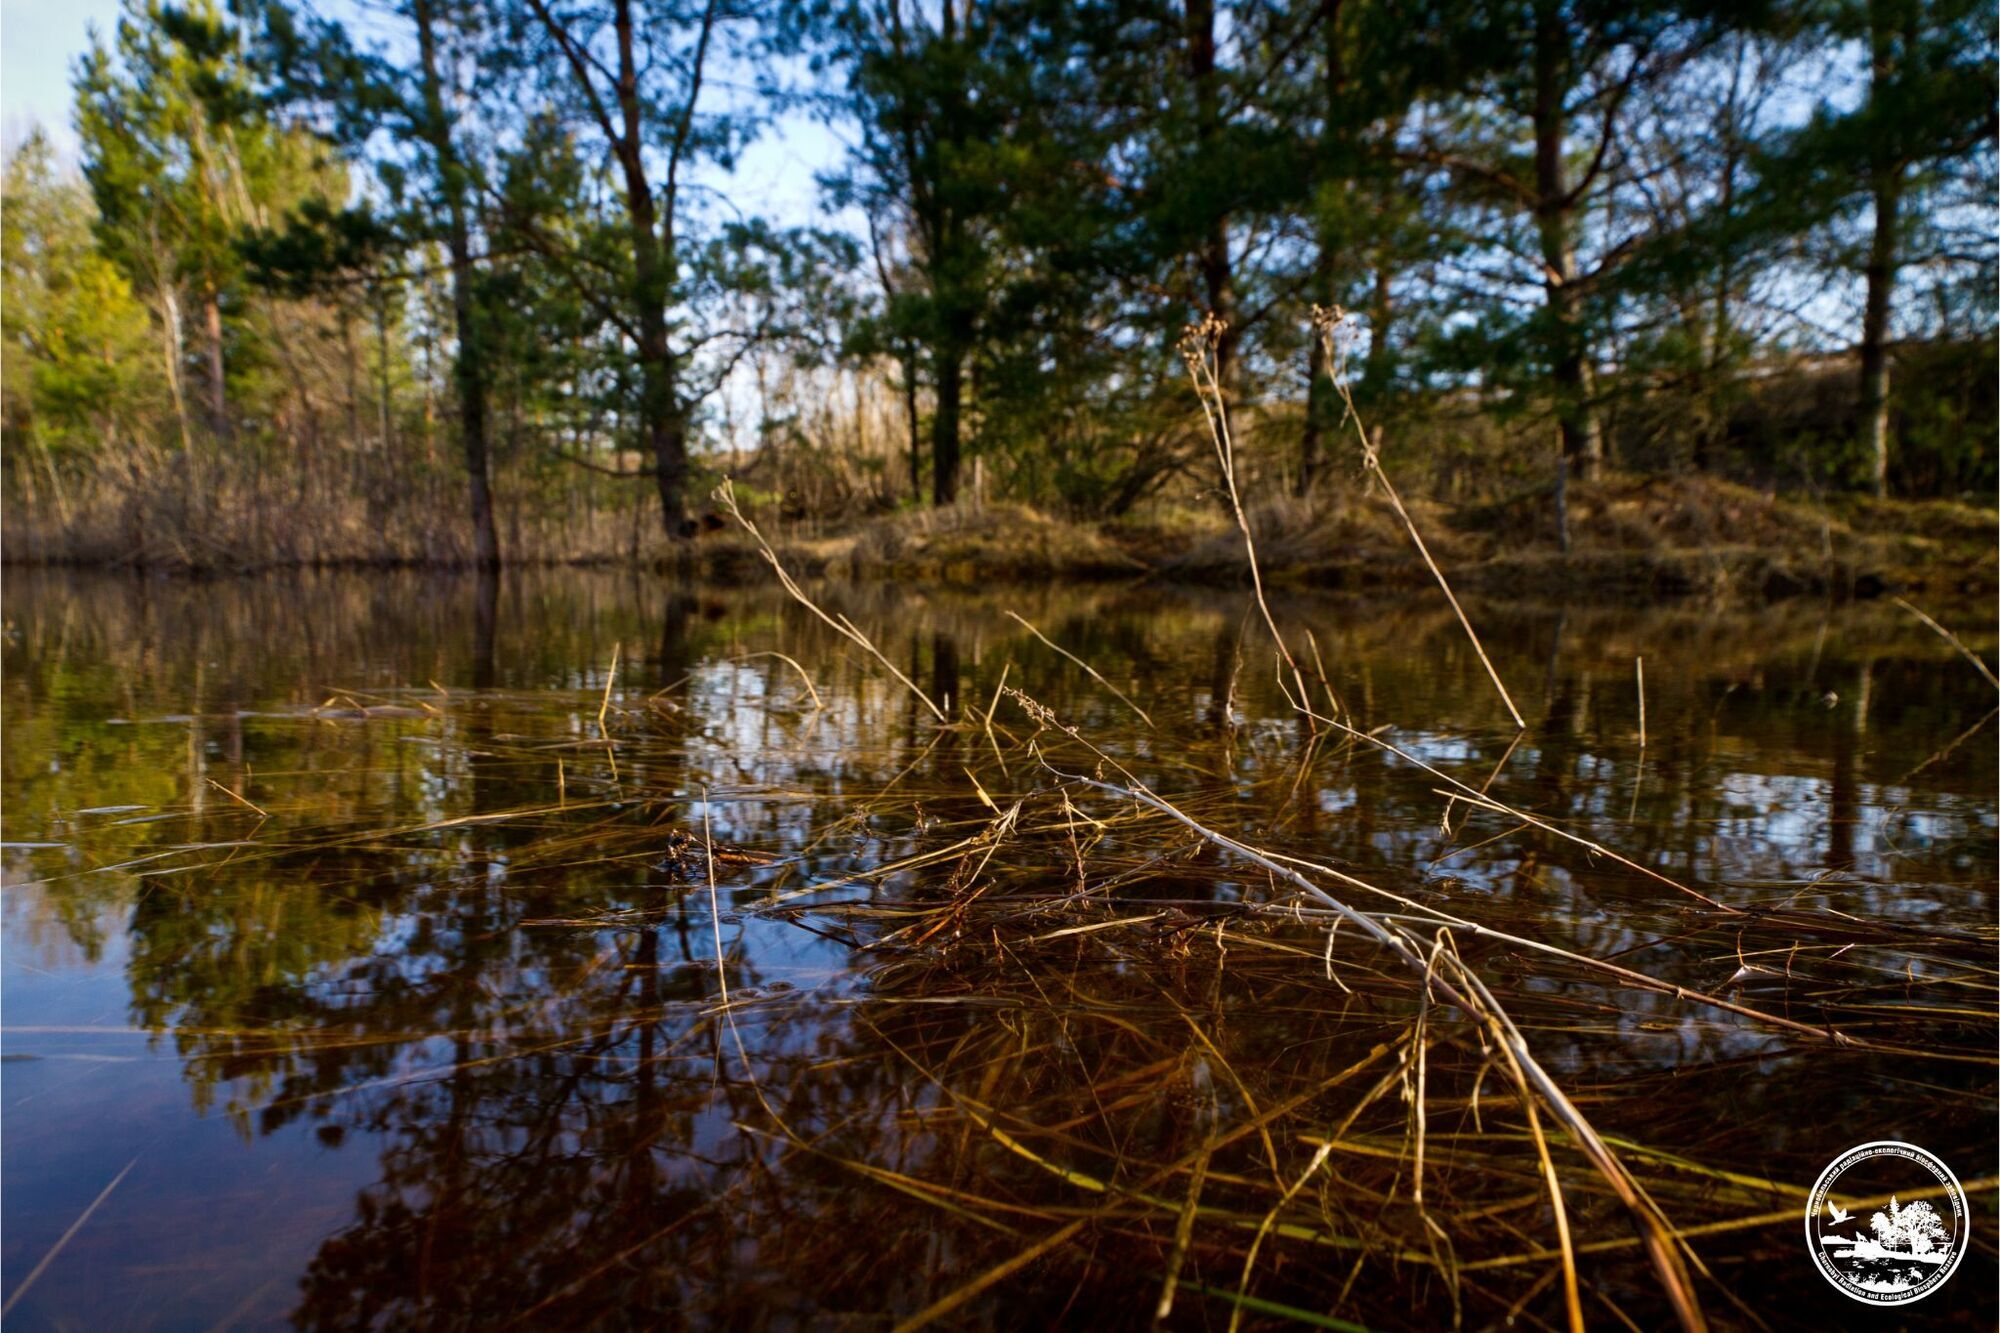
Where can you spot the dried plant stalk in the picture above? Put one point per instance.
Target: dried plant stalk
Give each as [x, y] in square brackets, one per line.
[1198, 349]
[725, 495]
[1122, 697]
[1328, 323]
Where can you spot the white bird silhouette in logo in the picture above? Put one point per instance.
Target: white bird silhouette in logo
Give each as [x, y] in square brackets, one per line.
[1839, 1214]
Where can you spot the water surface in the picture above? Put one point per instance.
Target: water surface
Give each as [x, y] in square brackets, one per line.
[362, 965]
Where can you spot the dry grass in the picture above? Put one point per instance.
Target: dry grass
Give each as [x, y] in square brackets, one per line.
[1661, 534]
[1348, 530]
[993, 541]
[960, 544]
[1664, 535]
[241, 512]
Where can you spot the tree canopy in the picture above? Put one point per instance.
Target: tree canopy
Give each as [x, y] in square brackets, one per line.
[481, 266]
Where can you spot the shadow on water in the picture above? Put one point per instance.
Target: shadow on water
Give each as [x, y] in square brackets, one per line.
[365, 924]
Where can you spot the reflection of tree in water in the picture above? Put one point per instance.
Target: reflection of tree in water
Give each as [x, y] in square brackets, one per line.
[608, 1179]
[330, 965]
[519, 1015]
[533, 1155]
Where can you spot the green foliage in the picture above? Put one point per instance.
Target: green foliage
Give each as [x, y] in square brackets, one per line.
[180, 157]
[1945, 414]
[79, 373]
[360, 263]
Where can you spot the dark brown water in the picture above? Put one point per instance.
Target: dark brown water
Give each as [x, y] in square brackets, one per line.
[352, 978]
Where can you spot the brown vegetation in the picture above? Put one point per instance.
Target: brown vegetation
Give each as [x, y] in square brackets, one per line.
[1671, 536]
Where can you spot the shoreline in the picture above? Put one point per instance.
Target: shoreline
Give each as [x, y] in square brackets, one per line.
[1659, 538]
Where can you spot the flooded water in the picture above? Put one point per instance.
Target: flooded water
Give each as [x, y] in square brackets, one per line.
[364, 963]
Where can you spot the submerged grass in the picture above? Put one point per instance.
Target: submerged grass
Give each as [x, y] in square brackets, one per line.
[1104, 1046]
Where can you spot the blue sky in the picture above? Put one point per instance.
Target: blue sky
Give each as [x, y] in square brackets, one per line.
[39, 41]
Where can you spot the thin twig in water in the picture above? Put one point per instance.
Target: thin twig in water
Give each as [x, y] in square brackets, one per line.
[1572, 1300]
[725, 495]
[714, 902]
[1122, 697]
[1954, 641]
[1639, 671]
[1183, 1235]
[1319, 1157]
[944, 1305]
[239, 798]
[609, 679]
[65, 1239]
[987, 721]
[1329, 322]
[1957, 741]
[817, 705]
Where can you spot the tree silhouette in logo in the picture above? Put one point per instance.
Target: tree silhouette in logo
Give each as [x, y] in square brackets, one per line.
[1917, 1228]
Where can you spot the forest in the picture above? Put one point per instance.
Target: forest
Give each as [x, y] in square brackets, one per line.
[469, 281]
[1000, 664]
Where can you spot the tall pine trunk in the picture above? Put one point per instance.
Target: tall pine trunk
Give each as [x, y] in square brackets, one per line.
[952, 254]
[662, 420]
[1568, 342]
[1886, 180]
[470, 365]
[1213, 259]
[1875, 338]
[666, 433]
[945, 426]
[471, 378]
[1321, 400]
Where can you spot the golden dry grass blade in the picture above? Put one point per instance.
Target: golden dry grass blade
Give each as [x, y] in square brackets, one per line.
[1978, 662]
[938, 1309]
[238, 797]
[805, 677]
[64, 1239]
[610, 679]
[1092, 671]
[1198, 349]
[1183, 1235]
